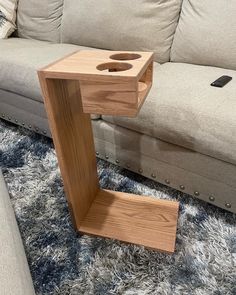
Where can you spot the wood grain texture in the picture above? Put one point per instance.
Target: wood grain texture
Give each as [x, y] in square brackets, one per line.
[73, 139]
[73, 86]
[117, 99]
[144, 86]
[134, 219]
[82, 65]
[108, 87]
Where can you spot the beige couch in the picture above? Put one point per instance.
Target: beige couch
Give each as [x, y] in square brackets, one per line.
[185, 135]
[15, 277]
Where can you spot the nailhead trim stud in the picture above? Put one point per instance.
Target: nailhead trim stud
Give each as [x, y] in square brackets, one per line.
[212, 198]
[196, 193]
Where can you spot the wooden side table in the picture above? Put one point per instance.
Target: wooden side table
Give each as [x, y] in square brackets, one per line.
[110, 83]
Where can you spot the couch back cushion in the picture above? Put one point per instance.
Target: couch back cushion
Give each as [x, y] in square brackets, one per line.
[206, 33]
[145, 25]
[39, 19]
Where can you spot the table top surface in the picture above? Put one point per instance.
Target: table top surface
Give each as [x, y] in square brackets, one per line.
[100, 65]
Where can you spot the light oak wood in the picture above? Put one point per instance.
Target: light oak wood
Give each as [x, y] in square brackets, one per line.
[141, 220]
[117, 99]
[107, 86]
[73, 139]
[80, 84]
[82, 65]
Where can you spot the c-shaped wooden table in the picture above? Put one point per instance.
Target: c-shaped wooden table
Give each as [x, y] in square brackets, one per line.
[110, 83]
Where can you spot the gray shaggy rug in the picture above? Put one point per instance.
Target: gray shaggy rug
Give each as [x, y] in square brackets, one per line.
[63, 262]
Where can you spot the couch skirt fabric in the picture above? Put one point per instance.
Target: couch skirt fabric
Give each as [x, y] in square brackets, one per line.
[23, 111]
[199, 175]
[15, 278]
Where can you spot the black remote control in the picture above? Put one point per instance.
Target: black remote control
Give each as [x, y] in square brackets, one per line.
[222, 81]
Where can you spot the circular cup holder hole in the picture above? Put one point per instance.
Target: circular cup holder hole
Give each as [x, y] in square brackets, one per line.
[125, 56]
[114, 66]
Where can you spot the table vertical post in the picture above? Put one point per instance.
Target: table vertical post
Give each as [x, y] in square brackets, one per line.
[73, 140]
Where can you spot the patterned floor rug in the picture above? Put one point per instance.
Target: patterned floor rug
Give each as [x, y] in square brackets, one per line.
[63, 262]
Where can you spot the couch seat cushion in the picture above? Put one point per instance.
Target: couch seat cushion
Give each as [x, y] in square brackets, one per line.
[182, 108]
[20, 59]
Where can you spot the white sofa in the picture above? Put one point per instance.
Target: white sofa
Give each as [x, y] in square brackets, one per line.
[185, 135]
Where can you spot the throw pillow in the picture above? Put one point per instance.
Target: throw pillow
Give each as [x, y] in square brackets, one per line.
[7, 17]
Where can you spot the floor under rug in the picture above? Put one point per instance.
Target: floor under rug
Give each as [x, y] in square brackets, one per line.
[63, 262]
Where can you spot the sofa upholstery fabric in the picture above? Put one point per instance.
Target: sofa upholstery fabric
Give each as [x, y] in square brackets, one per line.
[109, 135]
[15, 276]
[39, 20]
[181, 167]
[146, 25]
[21, 102]
[188, 111]
[206, 33]
[21, 58]
[22, 117]
[7, 17]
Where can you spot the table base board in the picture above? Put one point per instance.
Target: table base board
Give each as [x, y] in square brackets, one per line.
[134, 219]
